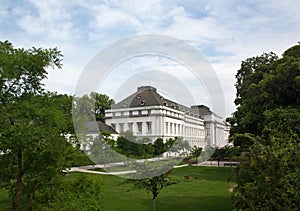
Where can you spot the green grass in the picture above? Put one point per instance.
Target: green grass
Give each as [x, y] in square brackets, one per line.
[209, 192]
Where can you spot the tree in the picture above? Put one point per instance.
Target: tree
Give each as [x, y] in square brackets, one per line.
[159, 147]
[264, 83]
[102, 149]
[266, 126]
[21, 73]
[221, 153]
[102, 103]
[178, 146]
[249, 100]
[152, 184]
[34, 146]
[92, 106]
[269, 176]
[196, 152]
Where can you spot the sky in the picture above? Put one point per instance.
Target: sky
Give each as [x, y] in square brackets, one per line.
[224, 33]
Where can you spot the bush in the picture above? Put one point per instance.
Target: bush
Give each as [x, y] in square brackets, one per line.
[269, 177]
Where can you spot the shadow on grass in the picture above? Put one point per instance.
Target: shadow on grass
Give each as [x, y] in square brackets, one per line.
[206, 173]
[193, 203]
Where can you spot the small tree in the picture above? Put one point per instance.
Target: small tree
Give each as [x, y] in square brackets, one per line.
[221, 153]
[196, 152]
[153, 184]
[102, 149]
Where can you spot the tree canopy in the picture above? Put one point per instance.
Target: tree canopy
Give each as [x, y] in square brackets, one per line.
[266, 127]
[34, 126]
[92, 106]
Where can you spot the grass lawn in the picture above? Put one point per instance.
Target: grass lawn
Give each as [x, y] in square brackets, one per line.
[210, 191]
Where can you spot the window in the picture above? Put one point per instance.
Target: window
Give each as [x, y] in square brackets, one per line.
[175, 126]
[139, 127]
[171, 127]
[121, 125]
[178, 128]
[130, 126]
[149, 127]
[167, 127]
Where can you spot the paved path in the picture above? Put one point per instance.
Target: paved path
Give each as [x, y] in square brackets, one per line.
[78, 169]
[89, 168]
[215, 163]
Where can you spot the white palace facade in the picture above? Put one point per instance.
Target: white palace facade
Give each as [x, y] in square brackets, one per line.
[147, 114]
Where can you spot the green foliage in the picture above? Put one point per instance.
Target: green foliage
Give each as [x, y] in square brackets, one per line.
[265, 84]
[92, 107]
[34, 127]
[102, 103]
[129, 146]
[102, 149]
[209, 192]
[22, 70]
[35, 148]
[153, 184]
[196, 152]
[82, 193]
[269, 176]
[266, 128]
[24, 126]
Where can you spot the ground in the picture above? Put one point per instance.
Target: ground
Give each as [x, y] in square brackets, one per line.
[206, 189]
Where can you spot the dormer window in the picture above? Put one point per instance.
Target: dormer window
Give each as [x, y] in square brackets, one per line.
[143, 102]
[165, 104]
[138, 96]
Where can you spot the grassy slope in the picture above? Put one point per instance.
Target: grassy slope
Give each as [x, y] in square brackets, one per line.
[208, 192]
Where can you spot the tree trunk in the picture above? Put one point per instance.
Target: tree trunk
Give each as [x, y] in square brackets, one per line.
[16, 203]
[153, 204]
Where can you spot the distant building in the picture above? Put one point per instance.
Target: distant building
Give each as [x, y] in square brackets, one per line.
[92, 130]
[147, 114]
[217, 130]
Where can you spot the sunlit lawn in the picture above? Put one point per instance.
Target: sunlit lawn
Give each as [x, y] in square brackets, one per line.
[209, 191]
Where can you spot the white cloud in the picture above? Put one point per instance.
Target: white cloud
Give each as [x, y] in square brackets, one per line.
[224, 31]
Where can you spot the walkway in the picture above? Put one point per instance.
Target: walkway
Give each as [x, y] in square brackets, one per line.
[89, 168]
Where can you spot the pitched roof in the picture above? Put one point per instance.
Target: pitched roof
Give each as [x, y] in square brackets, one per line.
[98, 127]
[146, 96]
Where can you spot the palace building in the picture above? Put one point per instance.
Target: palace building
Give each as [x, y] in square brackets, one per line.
[149, 115]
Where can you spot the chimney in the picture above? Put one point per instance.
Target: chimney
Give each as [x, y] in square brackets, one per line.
[143, 88]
